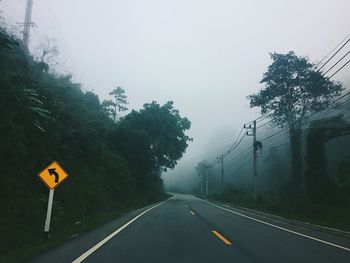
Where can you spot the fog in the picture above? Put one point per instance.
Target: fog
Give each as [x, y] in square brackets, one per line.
[206, 56]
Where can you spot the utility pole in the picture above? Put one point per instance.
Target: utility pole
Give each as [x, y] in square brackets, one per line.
[207, 179]
[255, 148]
[221, 160]
[254, 161]
[27, 23]
[201, 175]
[203, 168]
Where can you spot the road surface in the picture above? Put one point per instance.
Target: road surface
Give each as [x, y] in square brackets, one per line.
[189, 229]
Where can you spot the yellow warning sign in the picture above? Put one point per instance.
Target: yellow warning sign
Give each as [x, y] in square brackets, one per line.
[53, 175]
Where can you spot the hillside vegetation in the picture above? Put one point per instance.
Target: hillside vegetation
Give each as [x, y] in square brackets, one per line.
[112, 165]
[301, 147]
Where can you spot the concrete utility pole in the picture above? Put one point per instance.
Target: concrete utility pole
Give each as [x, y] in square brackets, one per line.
[27, 23]
[203, 168]
[255, 148]
[221, 160]
[207, 177]
[201, 175]
[254, 161]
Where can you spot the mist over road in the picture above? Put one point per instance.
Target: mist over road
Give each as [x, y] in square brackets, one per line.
[188, 229]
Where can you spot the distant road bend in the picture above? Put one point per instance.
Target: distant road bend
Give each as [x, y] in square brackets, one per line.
[188, 229]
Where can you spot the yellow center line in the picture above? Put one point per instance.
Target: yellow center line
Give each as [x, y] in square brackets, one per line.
[227, 242]
[192, 212]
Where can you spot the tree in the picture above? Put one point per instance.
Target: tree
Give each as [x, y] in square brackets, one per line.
[293, 89]
[319, 186]
[108, 106]
[119, 104]
[76, 134]
[47, 52]
[19, 86]
[153, 138]
[271, 178]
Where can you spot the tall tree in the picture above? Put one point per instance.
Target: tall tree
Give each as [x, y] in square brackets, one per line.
[152, 139]
[111, 107]
[47, 51]
[294, 88]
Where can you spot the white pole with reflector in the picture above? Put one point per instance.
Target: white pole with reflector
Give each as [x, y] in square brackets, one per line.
[48, 213]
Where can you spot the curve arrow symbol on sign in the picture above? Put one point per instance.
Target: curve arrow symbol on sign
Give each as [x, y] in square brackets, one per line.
[53, 172]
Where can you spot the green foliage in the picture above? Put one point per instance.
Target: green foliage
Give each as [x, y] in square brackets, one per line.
[288, 204]
[319, 186]
[120, 98]
[119, 104]
[46, 117]
[158, 130]
[201, 166]
[270, 177]
[343, 179]
[234, 194]
[293, 90]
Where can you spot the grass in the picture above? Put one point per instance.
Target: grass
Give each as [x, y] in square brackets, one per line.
[62, 235]
[323, 216]
[57, 238]
[332, 216]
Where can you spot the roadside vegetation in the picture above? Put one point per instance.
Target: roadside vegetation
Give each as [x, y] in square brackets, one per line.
[302, 147]
[114, 163]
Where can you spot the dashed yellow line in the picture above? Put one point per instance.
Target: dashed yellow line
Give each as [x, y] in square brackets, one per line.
[227, 242]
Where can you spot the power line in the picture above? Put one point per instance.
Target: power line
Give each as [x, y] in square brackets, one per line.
[240, 166]
[328, 79]
[36, 34]
[329, 53]
[234, 143]
[337, 62]
[240, 156]
[264, 124]
[264, 116]
[276, 147]
[334, 54]
[56, 26]
[14, 4]
[285, 130]
[339, 69]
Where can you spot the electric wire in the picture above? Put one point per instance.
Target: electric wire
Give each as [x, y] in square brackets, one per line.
[285, 130]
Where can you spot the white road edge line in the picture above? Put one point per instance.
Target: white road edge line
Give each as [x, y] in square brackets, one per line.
[281, 228]
[105, 240]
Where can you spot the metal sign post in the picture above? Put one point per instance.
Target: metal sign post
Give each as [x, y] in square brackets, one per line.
[48, 213]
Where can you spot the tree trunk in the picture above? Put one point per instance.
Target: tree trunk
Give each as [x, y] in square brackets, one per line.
[295, 142]
[317, 182]
[115, 113]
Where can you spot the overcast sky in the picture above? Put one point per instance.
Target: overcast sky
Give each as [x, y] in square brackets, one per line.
[205, 55]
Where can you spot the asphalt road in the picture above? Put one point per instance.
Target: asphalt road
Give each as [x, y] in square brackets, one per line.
[182, 230]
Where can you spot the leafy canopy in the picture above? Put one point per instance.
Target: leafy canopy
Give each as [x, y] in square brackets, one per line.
[293, 89]
[158, 129]
[111, 107]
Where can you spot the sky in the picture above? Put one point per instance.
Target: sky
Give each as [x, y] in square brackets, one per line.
[204, 55]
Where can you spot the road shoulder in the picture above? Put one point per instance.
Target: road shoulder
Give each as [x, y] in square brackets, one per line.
[79, 245]
[335, 236]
